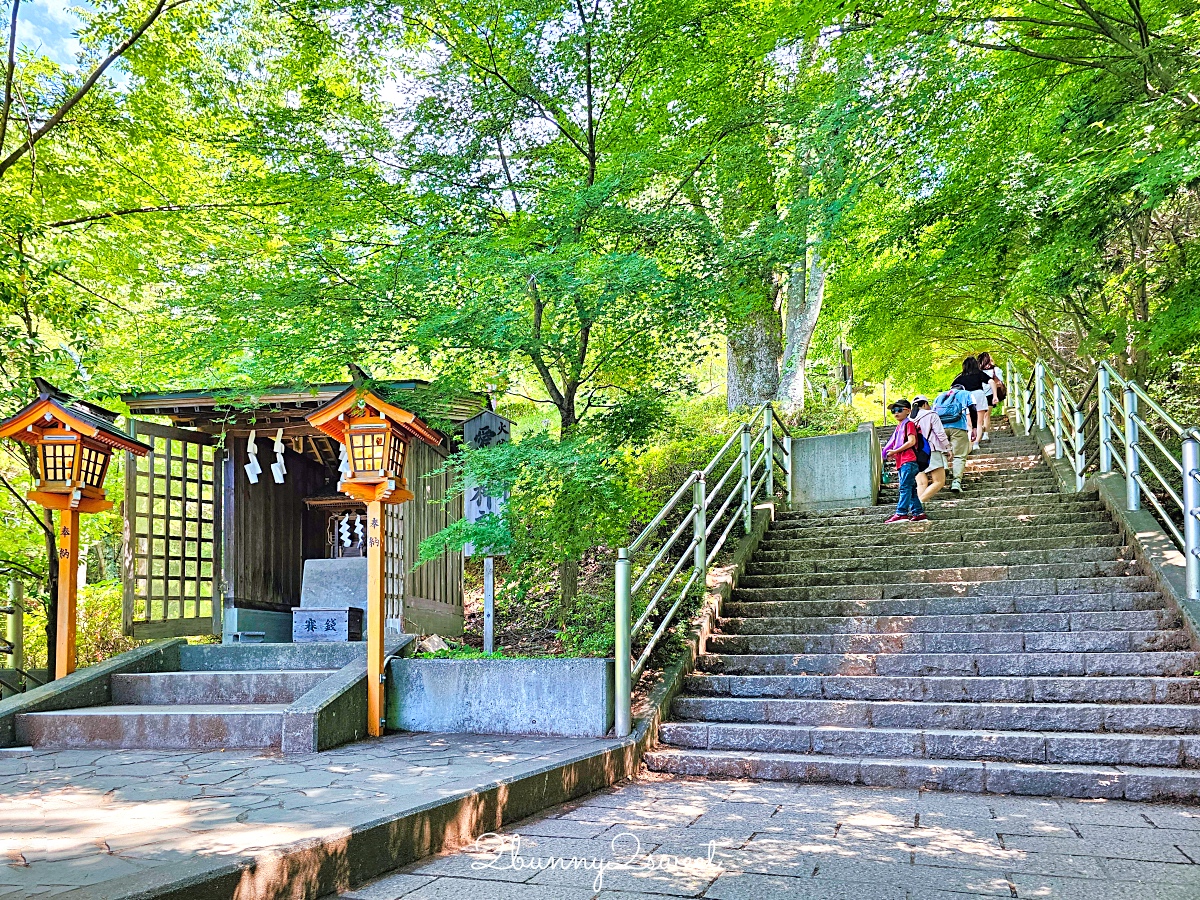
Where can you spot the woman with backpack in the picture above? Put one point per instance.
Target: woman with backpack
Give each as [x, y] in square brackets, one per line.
[954, 407]
[936, 455]
[996, 391]
[973, 380]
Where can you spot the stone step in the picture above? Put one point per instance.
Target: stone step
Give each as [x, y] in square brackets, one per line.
[1003, 588]
[920, 533]
[952, 689]
[215, 687]
[962, 642]
[951, 605]
[878, 532]
[819, 564]
[273, 657]
[172, 727]
[932, 743]
[1088, 782]
[954, 574]
[993, 623]
[905, 550]
[948, 501]
[998, 514]
[1163, 663]
[1159, 719]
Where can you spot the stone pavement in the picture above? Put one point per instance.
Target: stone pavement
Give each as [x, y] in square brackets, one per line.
[652, 838]
[79, 824]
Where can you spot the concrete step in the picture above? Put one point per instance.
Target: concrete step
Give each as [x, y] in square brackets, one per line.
[993, 623]
[146, 727]
[948, 501]
[818, 563]
[1163, 663]
[994, 588]
[209, 688]
[1057, 780]
[963, 642]
[905, 550]
[951, 689]
[938, 606]
[1158, 719]
[277, 657]
[932, 743]
[951, 575]
[987, 514]
[919, 533]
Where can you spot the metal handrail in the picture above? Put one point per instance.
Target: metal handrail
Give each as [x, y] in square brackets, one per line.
[756, 481]
[1120, 447]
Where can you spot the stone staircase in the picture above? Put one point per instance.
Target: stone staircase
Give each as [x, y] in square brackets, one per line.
[224, 697]
[1010, 645]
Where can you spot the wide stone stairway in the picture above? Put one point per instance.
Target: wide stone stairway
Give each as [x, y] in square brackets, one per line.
[1012, 644]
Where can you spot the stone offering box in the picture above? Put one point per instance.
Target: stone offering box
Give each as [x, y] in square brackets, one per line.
[561, 697]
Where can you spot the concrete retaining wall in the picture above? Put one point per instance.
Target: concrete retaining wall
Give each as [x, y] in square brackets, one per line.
[836, 469]
[564, 697]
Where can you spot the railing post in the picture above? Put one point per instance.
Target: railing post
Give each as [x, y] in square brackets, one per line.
[747, 471]
[769, 446]
[1191, 514]
[1103, 385]
[623, 701]
[16, 623]
[1133, 463]
[700, 526]
[787, 467]
[1039, 393]
[1056, 422]
[1026, 408]
[1008, 383]
[1077, 439]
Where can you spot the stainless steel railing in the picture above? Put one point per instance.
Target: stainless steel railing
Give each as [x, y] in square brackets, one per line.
[1159, 457]
[747, 460]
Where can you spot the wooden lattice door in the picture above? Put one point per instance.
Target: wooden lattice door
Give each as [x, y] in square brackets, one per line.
[173, 534]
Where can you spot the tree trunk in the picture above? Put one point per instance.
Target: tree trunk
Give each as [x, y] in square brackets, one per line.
[568, 588]
[752, 353]
[805, 295]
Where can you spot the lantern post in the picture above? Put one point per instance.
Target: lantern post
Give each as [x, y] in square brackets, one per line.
[73, 441]
[376, 436]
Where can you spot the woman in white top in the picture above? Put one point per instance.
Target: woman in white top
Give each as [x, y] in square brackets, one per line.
[988, 368]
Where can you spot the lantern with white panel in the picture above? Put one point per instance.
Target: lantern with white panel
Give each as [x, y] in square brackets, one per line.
[375, 436]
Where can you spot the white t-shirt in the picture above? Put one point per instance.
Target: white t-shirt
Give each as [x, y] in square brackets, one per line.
[988, 388]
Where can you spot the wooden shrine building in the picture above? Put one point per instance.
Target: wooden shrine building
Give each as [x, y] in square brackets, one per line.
[238, 492]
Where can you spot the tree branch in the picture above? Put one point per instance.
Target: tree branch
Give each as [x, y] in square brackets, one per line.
[8, 73]
[117, 52]
[168, 207]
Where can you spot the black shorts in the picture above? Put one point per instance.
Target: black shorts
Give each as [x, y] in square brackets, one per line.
[991, 398]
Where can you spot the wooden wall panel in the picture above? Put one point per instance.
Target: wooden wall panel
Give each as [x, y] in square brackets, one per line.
[433, 593]
[267, 547]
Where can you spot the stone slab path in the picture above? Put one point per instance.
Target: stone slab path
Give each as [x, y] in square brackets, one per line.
[100, 824]
[740, 840]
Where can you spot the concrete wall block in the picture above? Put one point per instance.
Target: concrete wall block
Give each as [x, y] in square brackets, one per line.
[836, 469]
[568, 697]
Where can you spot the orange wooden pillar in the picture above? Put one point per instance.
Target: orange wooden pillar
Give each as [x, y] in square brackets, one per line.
[375, 617]
[68, 587]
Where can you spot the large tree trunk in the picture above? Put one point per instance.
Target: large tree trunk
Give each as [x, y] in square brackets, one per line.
[752, 354]
[805, 295]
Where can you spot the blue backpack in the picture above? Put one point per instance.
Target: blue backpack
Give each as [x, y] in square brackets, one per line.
[951, 406]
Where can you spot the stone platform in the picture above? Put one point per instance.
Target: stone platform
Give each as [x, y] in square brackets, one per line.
[113, 824]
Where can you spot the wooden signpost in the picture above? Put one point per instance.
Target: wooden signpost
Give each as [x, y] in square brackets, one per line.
[74, 441]
[376, 436]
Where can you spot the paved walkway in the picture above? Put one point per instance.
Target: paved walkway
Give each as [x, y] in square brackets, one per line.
[77, 823]
[738, 840]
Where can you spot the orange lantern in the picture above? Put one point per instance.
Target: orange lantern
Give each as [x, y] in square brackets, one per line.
[375, 436]
[74, 441]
